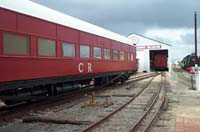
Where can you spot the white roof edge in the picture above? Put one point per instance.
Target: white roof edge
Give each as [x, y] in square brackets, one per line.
[133, 35]
[36, 10]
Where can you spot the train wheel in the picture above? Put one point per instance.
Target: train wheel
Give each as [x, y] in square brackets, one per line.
[100, 81]
[8, 102]
[51, 90]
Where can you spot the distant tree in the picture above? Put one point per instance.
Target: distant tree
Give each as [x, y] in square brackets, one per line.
[179, 63]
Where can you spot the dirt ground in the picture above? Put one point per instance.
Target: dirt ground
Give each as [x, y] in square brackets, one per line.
[183, 111]
[181, 115]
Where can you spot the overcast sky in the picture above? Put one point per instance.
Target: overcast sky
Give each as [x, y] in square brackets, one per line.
[169, 21]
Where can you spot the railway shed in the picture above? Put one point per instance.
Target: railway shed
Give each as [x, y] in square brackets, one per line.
[147, 50]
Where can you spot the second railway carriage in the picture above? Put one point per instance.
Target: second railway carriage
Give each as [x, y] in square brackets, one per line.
[160, 62]
[44, 52]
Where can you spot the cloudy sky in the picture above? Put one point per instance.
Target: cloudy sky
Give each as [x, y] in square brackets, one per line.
[169, 21]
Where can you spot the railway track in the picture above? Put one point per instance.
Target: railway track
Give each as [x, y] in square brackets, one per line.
[10, 112]
[140, 77]
[149, 99]
[155, 105]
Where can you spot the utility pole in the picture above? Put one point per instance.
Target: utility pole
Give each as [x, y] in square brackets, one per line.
[195, 36]
[197, 70]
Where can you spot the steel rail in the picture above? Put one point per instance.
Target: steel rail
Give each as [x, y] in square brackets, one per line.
[11, 110]
[153, 101]
[140, 75]
[69, 94]
[95, 124]
[146, 129]
[138, 78]
[134, 128]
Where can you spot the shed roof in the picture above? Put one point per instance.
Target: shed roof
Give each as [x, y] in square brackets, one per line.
[149, 39]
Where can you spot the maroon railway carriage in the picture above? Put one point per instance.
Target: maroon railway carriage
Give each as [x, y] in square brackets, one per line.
[160, 62]
[41, 57]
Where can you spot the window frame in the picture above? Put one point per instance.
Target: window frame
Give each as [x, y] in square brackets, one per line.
[120, 56]
[17, 34]
[89, 51]
[114, 56]
[128, 56]
[64, 42]
[1, 43]
[46, 55]
[100, 52]
[110, 57]
[132, 56]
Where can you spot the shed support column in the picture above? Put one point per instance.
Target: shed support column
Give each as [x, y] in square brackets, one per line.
[197, 77]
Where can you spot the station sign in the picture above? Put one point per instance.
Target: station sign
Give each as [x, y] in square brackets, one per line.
[140, 48]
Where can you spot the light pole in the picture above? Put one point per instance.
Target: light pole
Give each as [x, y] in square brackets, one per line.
[195, 36]
[197, 75]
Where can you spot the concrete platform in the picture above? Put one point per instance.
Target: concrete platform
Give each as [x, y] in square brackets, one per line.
[183, 112]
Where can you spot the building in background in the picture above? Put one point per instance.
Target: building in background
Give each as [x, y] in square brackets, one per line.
[152, 55]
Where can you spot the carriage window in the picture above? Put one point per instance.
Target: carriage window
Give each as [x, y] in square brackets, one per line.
[107, 54]
[15, 44]
[115, 55]
[84, 51]
[46, 47]
[68, 49]
[97, 53]
[122, 55]
[131, 56]
[128, 56]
